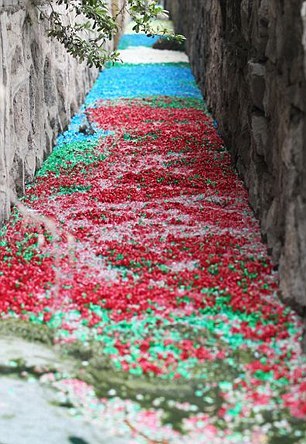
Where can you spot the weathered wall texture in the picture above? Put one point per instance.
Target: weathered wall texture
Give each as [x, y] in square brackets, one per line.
[249, 59]
[40, 89]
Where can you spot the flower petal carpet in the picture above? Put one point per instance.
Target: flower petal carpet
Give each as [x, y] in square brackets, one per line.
[136, 250]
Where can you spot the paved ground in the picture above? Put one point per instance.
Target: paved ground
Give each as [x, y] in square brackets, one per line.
[28, 417]
[30, 411]
[136, 253]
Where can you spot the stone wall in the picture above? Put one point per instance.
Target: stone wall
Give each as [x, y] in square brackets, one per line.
[249, 59]
[41, 87]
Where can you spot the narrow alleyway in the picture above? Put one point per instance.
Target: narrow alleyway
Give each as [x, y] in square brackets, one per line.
[135, 251]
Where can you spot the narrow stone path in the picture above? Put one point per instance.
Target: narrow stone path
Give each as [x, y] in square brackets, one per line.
[136, 253]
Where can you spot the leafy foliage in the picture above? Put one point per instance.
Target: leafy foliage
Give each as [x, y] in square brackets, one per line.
[85, 27]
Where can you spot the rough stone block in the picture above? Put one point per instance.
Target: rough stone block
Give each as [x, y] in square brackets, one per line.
[257, 83]
[260, 134]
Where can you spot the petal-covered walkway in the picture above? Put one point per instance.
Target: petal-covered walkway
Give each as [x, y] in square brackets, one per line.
[136, 247]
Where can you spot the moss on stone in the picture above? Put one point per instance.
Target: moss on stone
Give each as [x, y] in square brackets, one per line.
[26, 330]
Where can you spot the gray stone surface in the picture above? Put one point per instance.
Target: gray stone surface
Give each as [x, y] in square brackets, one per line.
[29, 411]
[41, 86]
[31, 354]
[27, 416]
[249, 59]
